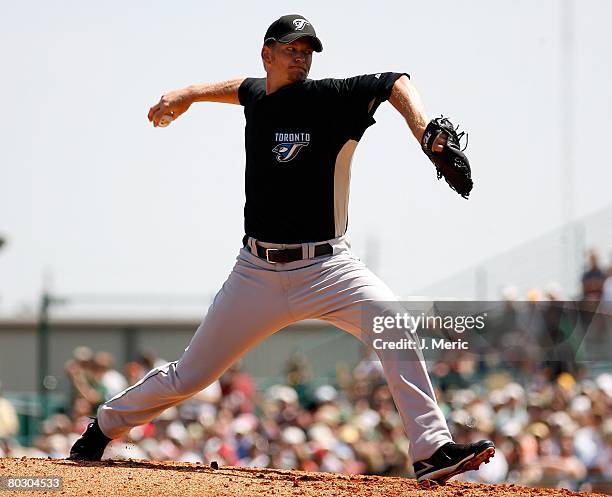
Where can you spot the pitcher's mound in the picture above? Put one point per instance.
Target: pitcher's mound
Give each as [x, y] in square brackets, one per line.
[147, 478]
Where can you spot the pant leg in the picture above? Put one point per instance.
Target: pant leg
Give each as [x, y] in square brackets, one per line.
[344, 292]
[250, 306]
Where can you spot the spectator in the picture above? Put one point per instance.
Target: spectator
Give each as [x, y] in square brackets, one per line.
[112, 380]
[9, 423]
[133, 371]
[607, 287]
[85, 377]
[593, 278]
[149, 360]
[564, 468]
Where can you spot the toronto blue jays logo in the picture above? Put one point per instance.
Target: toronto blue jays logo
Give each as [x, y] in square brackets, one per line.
[290, 145]
[300, 24]
[287, 151]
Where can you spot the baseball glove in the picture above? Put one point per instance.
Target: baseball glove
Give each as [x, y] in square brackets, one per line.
[451, 162]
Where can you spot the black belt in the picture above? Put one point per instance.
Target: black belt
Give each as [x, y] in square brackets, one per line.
[275, 255]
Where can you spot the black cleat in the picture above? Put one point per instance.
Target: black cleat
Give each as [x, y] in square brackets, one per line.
[91, 445]
[452, 459]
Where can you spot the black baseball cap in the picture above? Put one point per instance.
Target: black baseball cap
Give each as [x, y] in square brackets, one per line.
[291, 27]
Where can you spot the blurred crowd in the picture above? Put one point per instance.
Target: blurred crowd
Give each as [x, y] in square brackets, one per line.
[552, 431]
[550, 417]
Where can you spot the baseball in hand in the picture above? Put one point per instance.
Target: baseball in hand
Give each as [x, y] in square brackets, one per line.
[165, 120]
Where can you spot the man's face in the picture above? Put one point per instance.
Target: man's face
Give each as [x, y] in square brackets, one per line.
[288, 61]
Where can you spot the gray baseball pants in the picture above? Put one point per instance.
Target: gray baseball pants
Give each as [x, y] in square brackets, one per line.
[260, 298]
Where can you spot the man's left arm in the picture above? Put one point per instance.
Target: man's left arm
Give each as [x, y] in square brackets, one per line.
[438, 138]
[406, 99]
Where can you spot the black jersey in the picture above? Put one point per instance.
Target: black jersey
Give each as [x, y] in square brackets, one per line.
[299, 145]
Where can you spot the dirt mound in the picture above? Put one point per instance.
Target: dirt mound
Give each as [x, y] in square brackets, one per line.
[147, 478]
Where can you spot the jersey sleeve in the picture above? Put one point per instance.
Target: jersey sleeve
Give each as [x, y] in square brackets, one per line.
[360, 96]
[249, 89]
[369, 89]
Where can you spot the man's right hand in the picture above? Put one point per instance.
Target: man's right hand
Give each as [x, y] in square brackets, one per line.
[173, 103]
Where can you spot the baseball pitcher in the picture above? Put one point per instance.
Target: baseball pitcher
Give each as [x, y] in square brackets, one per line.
[296, 262]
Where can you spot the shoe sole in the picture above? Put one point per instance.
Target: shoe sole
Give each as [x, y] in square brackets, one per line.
[80, 458]
[469, 465]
